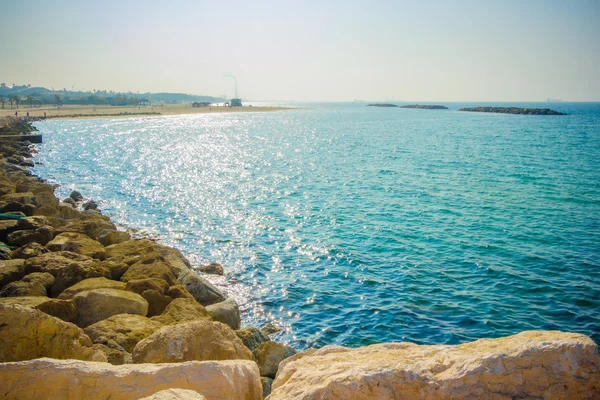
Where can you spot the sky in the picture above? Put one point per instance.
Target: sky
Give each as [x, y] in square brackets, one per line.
[309, 50]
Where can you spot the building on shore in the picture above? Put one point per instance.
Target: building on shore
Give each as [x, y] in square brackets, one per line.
[236, 102]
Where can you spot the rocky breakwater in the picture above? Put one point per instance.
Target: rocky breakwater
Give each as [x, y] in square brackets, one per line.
[513, 110]
[73, 287]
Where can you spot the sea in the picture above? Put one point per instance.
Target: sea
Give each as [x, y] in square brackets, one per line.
[352, 225]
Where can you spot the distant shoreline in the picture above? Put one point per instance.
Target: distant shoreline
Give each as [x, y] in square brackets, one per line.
[85, 111]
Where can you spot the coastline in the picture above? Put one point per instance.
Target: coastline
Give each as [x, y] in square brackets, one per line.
[331, 372]
[87, 112]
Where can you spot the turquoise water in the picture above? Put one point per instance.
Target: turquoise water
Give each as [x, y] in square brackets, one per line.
[353, 225]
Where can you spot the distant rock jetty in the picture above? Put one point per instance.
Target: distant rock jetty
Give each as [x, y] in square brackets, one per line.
[381, 105]
[513, 110]
[426, 107]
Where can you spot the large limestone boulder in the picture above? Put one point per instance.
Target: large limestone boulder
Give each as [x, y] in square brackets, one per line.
[53, 262]
[11, 271]
[182, 310]
[124, 329]
[535, 364]
[89, 225]
[6, 227]
[141, 285]
[25, 301]
[196, 340]
[28, 333]
[98, 304]
[226, 312]
[91, 284]
[151, 266]
[203, 291]
[133, 251]
[21, 238]
[47, 379]
[175, 394]
[77, 243]
[251, 337]
[61, 309]
[34, 284]
[77, 272]
[115, 353]
[269, 355]
[179, 292]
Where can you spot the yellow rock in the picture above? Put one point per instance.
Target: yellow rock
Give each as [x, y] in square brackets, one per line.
[47, 379]
[77, 243]
[124, 329]
[196, 340]
[175, 394]
[98, 304]
[28, 333]
[534, 364]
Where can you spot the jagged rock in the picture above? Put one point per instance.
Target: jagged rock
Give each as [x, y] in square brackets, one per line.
[133, 251]
[90, 205]
[54, 262]
[21, 238]
[76, 196]
[29, 250]
[61, 309]
[151, 266]
[196, 340]
[251, 337]
[28, 333]
[182, 310]
[124, 329]
[535, 364]
[90, 225]
[269, 329]
[268, 356]
[11, 271]
[77, 243]
[157, 302]
[109, 237]
[34, 284]
[175, 394]
[203, 291]
[141, 285]
[6, 227]
[47, 379]
[33, 223]
[214, 269]
[116, 269]
[179, 292]
[115, 354]
[77, 272]
[70, 201]
[98, 304]
[266, 384]
[226, 312]
[91, 284]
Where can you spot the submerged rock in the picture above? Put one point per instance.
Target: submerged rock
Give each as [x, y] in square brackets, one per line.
[535, 364]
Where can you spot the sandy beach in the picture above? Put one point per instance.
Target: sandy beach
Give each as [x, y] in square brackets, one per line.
[85, 111]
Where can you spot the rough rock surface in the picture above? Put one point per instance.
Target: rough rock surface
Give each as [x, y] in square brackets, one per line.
[110, 237]
[179, 292]
[29, 250]
[115, 354]
[157, 302]
[182, 310]
[175, 394]
[269, 355]
[226, 312]
[91, 284]
[61, 309]
[213, 268]
[11, 270]
[529, 365]
[124, 329]
[203, 291]
[47, 379]
[196, 340]
[251, 337]
[151, 266]
[141, 285]
[266, 384]
[53, 262]
[131, 251]
[76, 272]
[77, 243]
[28, 333]
[34, 284]
[98, 304]
[20, 238]
[88, 225]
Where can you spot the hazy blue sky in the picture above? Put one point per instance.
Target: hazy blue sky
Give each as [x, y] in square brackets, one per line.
[309, 50]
